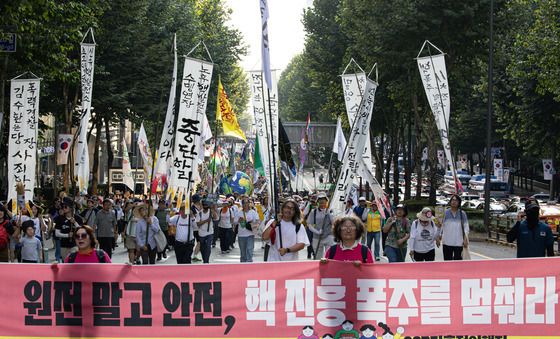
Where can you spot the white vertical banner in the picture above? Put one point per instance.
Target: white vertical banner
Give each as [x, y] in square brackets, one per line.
[22, 136]
[128, 180]
[82, 152]
[164, 150]
[499, 169]
[265, 47]
[434, 78]
[146, 153]
[548, 169]
[353, 86]
[339, 141]
[261, 113]
[354, 150]
[63, 145]
[195, 85]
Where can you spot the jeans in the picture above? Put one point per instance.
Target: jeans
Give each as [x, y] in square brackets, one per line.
[226, 238]
[183, 251]
[452, 252]
[371, 236]
[206, 247]
[57, 253]
[246, 247]
[395, 254]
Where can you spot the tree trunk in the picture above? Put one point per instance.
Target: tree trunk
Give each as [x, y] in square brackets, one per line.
[379, 154]
[110, 155]
[95, 167]
[418, 153]
[408, 159]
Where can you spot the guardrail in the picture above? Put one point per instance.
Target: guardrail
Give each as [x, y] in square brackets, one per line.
[499, 226]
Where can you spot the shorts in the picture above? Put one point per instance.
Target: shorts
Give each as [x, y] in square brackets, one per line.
[130, 243]
[196, 236]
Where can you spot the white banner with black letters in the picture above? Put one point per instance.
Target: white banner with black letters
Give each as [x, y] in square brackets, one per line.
[353, 155]
[82, 152]
[353, 86]
[22, 137]
[434, 77]
[195, 85]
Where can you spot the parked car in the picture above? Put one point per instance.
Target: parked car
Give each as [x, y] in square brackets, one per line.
[542, 198]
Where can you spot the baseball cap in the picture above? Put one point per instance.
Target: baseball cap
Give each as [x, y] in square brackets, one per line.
[362, 199]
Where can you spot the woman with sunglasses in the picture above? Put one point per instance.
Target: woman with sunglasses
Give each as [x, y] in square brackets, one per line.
[87, 253]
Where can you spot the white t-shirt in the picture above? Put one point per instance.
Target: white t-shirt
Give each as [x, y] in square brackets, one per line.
[250, 216]
[225, 218]
[183, 233]
[206, 228]
[289, 239]
[423, 238]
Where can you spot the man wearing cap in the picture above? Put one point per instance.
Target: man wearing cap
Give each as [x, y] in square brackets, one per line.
[88, 215]
[361, 208]
[534, 237]
[106, 227]
[319, 222]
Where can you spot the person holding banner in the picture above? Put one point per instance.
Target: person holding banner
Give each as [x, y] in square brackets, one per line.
[65, 226]
[348, 230]
[87, 253]
[319, 223]
[205, 224]
[397, 229]
[455, 230]
[288, 236]
[146, 228]
[184, 236]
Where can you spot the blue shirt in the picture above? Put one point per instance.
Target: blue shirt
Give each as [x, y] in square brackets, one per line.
[533, 242]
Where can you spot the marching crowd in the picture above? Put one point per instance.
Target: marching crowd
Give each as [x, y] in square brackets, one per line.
[88, 229]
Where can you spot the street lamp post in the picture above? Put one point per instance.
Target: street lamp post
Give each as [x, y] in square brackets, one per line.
[489, 120]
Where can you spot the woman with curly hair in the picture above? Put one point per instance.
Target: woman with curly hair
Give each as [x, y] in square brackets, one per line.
[348, 231]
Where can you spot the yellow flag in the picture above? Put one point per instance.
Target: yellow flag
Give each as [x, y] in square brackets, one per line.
[225, 114]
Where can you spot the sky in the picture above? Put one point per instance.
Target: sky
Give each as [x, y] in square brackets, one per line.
[286, 33]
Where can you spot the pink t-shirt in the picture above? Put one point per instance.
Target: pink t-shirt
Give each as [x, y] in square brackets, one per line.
[354, 254]
[90, 258]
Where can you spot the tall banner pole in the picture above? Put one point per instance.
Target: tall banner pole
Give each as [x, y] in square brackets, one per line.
[195, 85]
[82, 153]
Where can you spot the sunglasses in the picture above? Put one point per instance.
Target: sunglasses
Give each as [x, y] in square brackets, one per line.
[80, 236]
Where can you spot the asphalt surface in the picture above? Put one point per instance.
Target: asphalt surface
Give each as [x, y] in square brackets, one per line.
[479, 249]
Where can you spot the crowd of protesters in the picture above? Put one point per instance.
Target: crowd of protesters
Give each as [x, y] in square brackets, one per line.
[90, 228]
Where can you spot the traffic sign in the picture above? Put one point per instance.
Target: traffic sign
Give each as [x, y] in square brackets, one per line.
[8, 42]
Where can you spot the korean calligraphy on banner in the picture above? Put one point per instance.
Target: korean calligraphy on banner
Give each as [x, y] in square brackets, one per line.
[197, 75]
[353, 86]
[353, 155]
[475, 299]
[434, 77]
[22, 137]
[82, 152]
[259, 94]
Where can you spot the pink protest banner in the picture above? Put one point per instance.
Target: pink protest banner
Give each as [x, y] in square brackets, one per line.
[469, 299]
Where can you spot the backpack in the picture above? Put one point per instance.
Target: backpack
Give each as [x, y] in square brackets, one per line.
[4, 236]
[365, 249]
[100, 256]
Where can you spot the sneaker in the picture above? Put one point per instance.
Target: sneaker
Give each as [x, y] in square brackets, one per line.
[377, 259]
[228, 251]
[196, 259]
[223, 252]
[164, 255]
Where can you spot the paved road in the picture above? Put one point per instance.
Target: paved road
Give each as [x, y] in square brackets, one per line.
[480, 250]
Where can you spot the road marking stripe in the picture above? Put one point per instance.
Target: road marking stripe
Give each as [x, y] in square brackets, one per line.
[481, 255]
